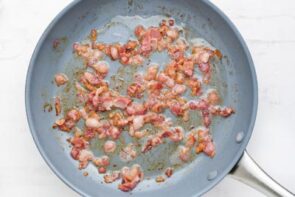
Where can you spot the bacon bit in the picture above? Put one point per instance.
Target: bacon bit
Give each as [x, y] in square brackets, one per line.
[135, 90]
[213, 97]
[92, 123]
[151, 72]
[74, 115]
[175, 134]
[178, 89]
[140, 134]
[136, 60]
[102, 170]
[121, 102]
[184, 153]
[139, 31]
[128, 153]
[190, 140]
[169, 172]
[109, 146]
[206, 118]
[57, 105]
[160, 179]
[198, 105]
[92, 78]
[114, 53]
[152, 142]
[61, 79]
[224, 112]
[173, 33]
[84, 157]
[171, 22]
[136, 109]
[130, 177]
[176, 108]
[101, 68]
[205, 143]
[195, 86]
[85, 174]
[102, 161]
[188, 68]
[93, 35]
[110, 178]
[75, 153]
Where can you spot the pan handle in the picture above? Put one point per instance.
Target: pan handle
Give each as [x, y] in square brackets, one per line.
[248, 172]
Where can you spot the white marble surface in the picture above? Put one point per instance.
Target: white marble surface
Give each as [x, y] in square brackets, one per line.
[268, 27]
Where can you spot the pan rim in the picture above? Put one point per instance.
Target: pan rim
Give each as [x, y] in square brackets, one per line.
[84, 193]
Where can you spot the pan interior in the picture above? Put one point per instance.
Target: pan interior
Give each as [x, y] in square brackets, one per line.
[234, 78]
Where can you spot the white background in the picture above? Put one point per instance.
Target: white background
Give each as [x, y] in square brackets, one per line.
[268, 27]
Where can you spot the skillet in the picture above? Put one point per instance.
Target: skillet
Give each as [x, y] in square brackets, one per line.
[202, 18]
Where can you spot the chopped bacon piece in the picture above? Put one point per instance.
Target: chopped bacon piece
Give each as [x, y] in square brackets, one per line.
[135, 90]
[151, 72]
[198, 104]
[57, 105]
[61, 79]
[110, 178]
[184, 153]
[221, 111]
[195, 86]
[102, 161]
[178, 89]
[128, 153]
[121, 102]
[152, 142]
[84, 157]
[91, 78]
[139, 31]
[109, 146]
[169, 172]
[136, 109]
[213, 97]
[205, 143]
[101, 67]
[130, 177]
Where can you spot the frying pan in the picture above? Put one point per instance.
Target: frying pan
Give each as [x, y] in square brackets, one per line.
[230, 136]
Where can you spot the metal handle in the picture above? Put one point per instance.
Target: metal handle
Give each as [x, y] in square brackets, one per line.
[248, 172]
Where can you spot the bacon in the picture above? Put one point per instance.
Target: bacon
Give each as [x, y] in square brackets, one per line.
[152, 142]
[175, 134]
[121, 102]
[151, 72]
[178, 89]
[169, 172]
[128, 153]
[184, 153]
[101, 68]
[135, 90]
[57, 105]
[139, 31]
[109, 146]
[110, 178]
[188, 68]
[102, 161]
[84, 157]
[74, 115]
[173, 33]
[136, 60]
[195, 86]
[61, 79]
[138, 122]
[198, 104]
[205, 143]
[213, 97]
[92, 78]
[155, 87]
[176, 108]
[166, 80]
[130, 177]
[221, 111]
[136, 109]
